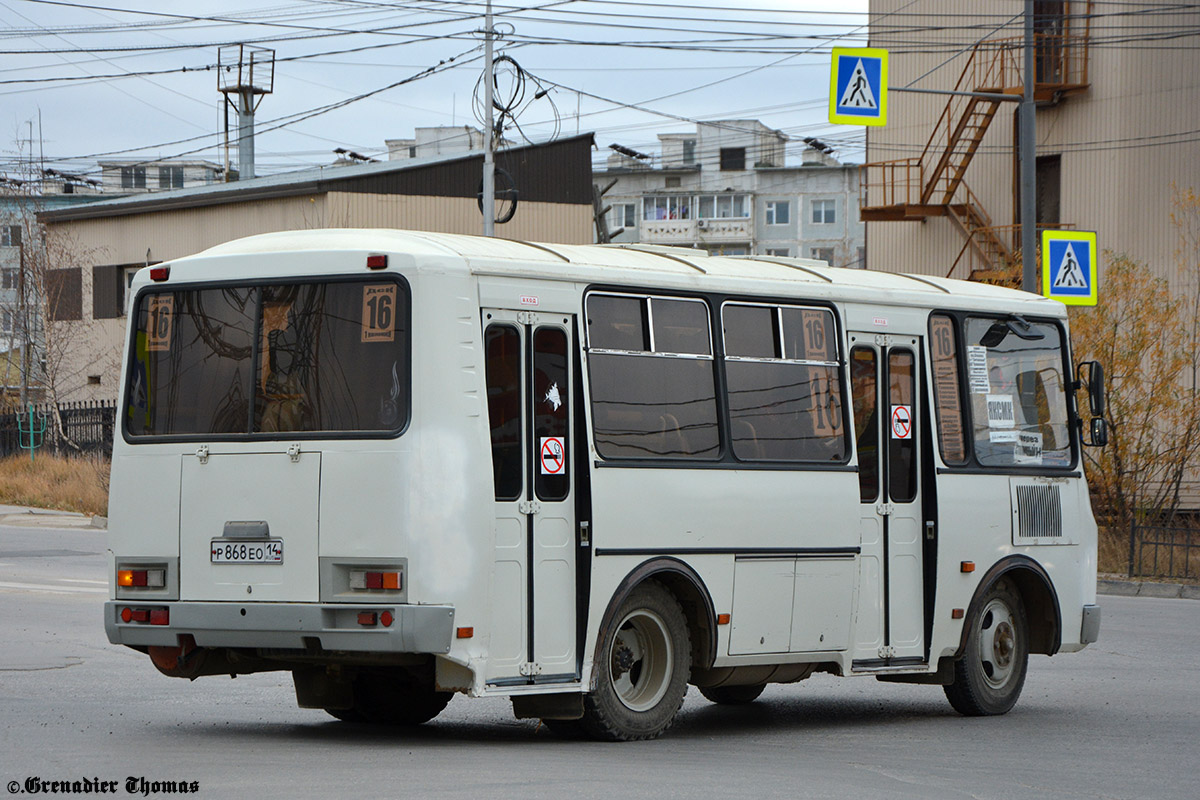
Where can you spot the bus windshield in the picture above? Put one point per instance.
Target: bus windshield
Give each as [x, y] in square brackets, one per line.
[266, 359]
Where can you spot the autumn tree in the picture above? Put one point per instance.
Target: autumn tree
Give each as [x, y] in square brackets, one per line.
[1147, 337]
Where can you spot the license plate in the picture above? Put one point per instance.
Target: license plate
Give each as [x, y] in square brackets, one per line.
[261, 551]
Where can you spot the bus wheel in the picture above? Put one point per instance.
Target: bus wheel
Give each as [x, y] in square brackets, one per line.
[389, 698]
[989, 677]
[733, 695]
[643, 669]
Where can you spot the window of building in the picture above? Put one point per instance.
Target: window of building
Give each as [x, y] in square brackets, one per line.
[821, 254]
[667, 207]
[689, 151]
[785, 393]
[718, 206]
[624, 215]
[651, 369]
[673, 182]
[64, 293]
[170, 177]
[778, 212]
[8, 279]
[6, 320]
[10, 235]
[824, 212]
[728, 250]
[133, 177]
[783, 252]
[733, 158]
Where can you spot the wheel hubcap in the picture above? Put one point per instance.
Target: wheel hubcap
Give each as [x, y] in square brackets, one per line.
[997, 643]
[641, 661]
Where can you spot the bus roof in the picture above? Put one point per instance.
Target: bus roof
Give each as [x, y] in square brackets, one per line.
[640, 264]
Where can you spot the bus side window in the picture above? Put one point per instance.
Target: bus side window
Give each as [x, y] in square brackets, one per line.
[863, 379]
[502, 344]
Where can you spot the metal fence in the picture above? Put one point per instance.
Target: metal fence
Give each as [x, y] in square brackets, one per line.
[88, 425]
[1164, 551]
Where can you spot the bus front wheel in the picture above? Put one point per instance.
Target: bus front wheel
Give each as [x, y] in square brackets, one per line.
[989, 677]
[643, 668]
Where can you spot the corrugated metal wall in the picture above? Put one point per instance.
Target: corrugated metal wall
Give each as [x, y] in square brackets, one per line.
[1118, 162]
[1120, 158]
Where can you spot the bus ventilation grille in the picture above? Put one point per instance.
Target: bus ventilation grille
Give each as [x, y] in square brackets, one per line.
[1039, 512]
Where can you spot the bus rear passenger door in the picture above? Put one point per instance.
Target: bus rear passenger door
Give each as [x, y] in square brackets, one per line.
[530, 404]
[890, 629]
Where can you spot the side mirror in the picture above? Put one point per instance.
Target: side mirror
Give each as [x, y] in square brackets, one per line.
[1099, 433]
[1095, 387]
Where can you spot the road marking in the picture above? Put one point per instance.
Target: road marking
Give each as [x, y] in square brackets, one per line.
[52, 589]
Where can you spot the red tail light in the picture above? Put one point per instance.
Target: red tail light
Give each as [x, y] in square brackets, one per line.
[160, 273]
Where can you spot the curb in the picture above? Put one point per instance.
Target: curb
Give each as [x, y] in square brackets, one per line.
[1139, 589]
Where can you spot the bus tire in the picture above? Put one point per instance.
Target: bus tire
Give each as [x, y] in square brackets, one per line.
[733, 695]
[989, 676]
[643, 669]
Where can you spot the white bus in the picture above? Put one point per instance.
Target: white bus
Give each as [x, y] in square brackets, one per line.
[406, 465]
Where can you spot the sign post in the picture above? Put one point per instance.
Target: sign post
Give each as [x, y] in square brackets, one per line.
[1069, 267]
[858, 86]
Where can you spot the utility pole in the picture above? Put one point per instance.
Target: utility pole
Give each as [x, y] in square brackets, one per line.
[251, 77]
[489, 163]
[1028, 148]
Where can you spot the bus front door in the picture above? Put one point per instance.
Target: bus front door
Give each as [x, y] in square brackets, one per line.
[890, 630]
[530, 407]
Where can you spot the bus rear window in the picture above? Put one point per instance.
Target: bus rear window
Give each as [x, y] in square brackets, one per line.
[327, 357]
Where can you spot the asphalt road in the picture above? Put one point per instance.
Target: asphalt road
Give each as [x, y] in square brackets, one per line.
[1119, 720]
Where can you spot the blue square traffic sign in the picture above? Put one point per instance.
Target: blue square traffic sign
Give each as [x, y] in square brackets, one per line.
[1069, 267]
[858, 86]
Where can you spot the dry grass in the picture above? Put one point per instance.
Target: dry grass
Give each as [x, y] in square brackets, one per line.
[67, 484]
[1113, 556]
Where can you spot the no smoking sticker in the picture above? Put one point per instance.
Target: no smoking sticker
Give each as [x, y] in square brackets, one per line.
[552, 454]
[901, 422]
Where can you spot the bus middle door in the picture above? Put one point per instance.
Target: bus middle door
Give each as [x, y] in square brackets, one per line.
[890, 630]
[530, 406]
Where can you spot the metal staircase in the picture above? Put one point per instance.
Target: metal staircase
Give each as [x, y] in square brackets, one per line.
[932, 184]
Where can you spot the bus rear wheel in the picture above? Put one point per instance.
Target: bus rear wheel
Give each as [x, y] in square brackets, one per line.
[644, 664]
[733, 695]
[392, 698]
[989, 677]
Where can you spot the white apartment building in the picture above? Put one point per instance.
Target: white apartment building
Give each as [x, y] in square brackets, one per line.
[727, 188]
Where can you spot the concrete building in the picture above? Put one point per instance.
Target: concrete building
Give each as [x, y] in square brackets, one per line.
[20, 201]
[136, 177]
[114, 238]
[727, 188]
[1116, 127]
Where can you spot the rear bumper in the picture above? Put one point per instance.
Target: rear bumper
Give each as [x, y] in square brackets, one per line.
[415, 629]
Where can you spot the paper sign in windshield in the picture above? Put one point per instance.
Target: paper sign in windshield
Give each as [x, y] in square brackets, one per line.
[977, 369]
[1000, 411]
[1029, 448]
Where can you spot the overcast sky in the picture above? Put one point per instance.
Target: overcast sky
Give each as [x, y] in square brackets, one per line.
[142, 80]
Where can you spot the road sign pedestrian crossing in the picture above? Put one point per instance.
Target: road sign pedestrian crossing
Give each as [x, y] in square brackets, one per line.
[858, 86]
[1069, 267]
